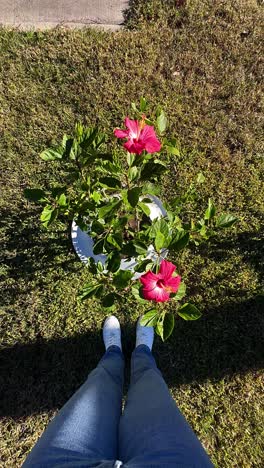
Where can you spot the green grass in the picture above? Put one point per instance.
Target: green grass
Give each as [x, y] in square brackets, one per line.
[202, 62]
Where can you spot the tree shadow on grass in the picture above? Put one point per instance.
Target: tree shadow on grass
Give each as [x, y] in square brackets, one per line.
[250, 245]
[31, 248]
[41, 376]
[228, 339]
[27, 249]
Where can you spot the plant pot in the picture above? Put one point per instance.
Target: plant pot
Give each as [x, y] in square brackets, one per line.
[83, 243]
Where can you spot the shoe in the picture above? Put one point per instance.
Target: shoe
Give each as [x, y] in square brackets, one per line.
[112, 332]
[145, 335]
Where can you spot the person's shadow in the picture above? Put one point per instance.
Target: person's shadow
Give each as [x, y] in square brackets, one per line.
[42, 375]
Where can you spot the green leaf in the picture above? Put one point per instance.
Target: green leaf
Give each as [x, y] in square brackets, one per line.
[97, 227]
[87, 136]
[48, 215]
[98, 247]
[210, 212]
[89, 290]
[123, 194]
[108, 209]
[165, 325]
[133, 196]
[113, 262]
[119, 223]
[99, 140]
[145, 208]
[159, 241]
[140, 247]
[171, 216]
[181, 292]
[137, 293]
[203, 231]
[132, 173]
[96, 196]
[51, 155]
[146, 199]
[62, 200]
[122, 279]
[161, 225]
[134, 107]
[70, 147]
[110, 182]
[79, 130]
[226, 220]
[143, 104]
[141, 266]
[99, 267]
[99, 291]
[189, 312]
[130, 158]
[162, 122]
[172, 146]
[153, 169]
[179, 241]
[129, 249]
[36, 195]
[150, 318]
[109, 167]
[116, 240]
[173, 150]
[168, 326]
[151, 189]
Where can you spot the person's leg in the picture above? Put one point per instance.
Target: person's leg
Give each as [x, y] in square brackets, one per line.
[85, 431]
[152, 431]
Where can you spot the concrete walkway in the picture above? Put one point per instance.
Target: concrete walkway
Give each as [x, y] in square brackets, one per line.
[46, 14]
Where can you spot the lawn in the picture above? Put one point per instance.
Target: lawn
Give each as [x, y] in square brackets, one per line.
[202, 61]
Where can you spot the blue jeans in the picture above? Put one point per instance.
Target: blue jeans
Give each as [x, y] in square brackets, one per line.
[89, 431]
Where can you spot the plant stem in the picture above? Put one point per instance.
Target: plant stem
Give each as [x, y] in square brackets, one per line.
[127, 181]
[137, 220]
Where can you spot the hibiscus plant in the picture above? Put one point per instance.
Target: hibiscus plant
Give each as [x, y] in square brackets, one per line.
[107, 192]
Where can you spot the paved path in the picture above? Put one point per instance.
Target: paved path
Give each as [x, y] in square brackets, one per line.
[42, 14]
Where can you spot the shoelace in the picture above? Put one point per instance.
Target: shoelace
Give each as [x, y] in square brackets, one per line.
[111, 338]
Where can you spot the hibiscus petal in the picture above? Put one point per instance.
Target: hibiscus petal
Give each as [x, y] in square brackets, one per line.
[173, 283]
[156, 294]
[147, 132]
[139, 147]
[128, 144]
[149, 280]
[133, 127]
[152, 145]
[133, 147]
[121, 133]
[166, 269]
[148, 136]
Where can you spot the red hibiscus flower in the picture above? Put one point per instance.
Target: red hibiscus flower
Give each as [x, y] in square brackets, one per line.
[158, 287]
[140, 137]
